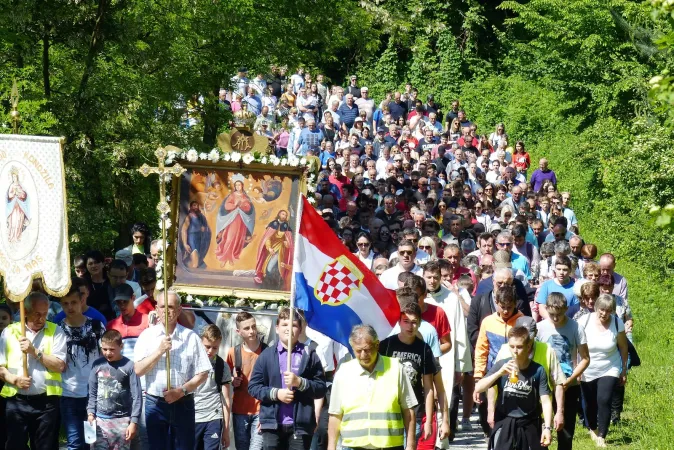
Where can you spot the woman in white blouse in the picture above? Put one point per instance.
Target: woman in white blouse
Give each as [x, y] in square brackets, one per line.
[607, 343]
[365, 252]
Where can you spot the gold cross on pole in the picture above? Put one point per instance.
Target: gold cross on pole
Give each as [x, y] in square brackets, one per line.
[165, 174]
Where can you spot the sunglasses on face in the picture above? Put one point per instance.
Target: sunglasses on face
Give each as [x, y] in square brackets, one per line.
[405, 253]
[426, 247]
[363, 244]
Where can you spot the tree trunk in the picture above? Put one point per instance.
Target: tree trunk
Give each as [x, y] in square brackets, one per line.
[95, 46]
[45, 63]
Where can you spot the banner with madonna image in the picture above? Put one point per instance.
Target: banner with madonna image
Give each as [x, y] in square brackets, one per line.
[34, 225]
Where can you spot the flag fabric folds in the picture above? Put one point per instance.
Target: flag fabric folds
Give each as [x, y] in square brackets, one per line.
[335, 290]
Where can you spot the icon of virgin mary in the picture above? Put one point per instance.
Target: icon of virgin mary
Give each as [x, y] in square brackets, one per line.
[17, 209]
[235, 223]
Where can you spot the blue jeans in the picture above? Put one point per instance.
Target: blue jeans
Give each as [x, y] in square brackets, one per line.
[246, 436]
[170, 426]
[73, 416]
[209, 435]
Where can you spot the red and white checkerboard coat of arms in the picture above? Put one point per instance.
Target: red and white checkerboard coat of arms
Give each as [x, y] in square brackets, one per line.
[340, 278]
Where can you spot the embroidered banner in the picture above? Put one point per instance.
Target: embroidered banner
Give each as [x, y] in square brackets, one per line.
[34, 225]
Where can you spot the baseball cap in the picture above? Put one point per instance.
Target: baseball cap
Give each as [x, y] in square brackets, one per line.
[527, 322]
[123, 292]
[243, 69]
[381, 130]
[358, 119]
[502, 260]
[125, 255]
[327, 211]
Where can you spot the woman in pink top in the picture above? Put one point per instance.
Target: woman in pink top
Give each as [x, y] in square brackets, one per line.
[281, 139]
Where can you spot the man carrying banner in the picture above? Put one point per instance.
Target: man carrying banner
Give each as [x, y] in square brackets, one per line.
[372, 399]
[33, 400]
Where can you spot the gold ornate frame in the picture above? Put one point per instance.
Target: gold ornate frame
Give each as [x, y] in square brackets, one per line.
[221, 291]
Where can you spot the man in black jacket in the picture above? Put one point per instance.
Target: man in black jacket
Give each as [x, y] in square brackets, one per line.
[483, 304]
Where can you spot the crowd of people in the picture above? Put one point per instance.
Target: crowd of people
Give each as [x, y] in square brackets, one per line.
[504, 307]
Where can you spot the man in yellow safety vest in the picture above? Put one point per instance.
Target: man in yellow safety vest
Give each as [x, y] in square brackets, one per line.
[372, 399]
[33, 400]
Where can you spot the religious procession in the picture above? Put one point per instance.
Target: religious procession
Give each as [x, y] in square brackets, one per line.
[338, 272]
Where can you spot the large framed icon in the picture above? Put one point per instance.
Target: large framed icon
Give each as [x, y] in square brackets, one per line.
[234, 232]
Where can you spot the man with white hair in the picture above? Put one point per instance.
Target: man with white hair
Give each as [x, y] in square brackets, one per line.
[306, 105]
[333, 106]
[371, 385]
[310, 139]
[365, 103]
[348, 111]
[33, 401]
[433, 123]
[169, 413]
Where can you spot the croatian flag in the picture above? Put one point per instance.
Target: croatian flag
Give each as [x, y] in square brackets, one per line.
[335, 290]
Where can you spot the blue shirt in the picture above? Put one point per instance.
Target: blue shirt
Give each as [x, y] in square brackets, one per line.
[521, 263]
[325, 156]
[91, 313]
[566, 290]
[286, 410]
[309, 140]
[254, 104]
[348, 115]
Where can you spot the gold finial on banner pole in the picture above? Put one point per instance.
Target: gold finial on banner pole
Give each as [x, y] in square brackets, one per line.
[15, 114]
[165, 174]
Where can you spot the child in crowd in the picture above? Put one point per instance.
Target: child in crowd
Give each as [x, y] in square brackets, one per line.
[5, 316]
[287, 417]
[241, 360]
[114, 396]
[211, 399]
[522, 390]
[80, 265]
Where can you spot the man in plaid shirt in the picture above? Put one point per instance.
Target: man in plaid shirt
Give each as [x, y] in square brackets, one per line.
[169, 413]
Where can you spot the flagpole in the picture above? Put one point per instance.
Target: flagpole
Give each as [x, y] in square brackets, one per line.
[293, 284]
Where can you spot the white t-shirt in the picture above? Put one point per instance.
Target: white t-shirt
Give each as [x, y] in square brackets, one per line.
[389, 278]
[605, 358]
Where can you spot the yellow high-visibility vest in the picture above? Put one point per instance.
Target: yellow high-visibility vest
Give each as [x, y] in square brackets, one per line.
[372, 417]
[14, 357]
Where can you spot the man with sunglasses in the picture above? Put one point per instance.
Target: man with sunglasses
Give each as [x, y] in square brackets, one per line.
[413, 235]
[505, 241]
[405, 255]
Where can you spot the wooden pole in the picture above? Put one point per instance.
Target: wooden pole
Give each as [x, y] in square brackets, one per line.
[22, 312]
[293, 285]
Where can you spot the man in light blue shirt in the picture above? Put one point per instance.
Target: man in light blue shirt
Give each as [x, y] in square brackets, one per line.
[310, 139]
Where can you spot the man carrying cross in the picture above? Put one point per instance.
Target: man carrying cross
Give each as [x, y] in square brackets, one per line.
[169, 410]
